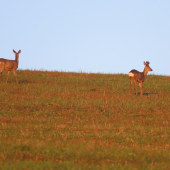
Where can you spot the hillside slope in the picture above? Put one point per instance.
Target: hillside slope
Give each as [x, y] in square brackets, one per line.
[63, 120]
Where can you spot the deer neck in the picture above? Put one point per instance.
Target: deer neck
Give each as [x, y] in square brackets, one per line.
[145, 71]
[17, 59]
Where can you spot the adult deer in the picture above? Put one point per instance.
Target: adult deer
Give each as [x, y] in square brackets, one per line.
[137, 76]
[10, 65]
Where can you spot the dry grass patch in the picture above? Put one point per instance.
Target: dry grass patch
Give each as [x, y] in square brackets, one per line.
[64, 120]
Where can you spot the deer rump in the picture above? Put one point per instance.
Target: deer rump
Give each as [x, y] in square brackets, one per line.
[136, 75]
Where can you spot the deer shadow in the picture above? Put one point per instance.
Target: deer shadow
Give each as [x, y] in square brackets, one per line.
[24, 82]
[146, 94]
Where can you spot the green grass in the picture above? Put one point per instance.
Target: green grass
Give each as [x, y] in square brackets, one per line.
[60, 120]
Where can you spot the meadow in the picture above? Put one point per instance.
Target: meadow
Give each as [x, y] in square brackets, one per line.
[61, 120]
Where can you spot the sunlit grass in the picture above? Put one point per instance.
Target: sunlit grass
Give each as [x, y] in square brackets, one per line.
[63, 120]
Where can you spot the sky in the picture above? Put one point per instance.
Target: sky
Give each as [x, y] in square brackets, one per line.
[91, 36]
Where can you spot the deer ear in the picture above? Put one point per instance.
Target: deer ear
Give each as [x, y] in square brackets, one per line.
[14, 51]
[19, 51]
[144, 63]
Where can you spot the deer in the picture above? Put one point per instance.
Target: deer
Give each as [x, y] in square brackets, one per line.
[137, 76]
[10, 65]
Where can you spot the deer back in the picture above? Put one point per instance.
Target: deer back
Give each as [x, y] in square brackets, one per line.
[138, 76]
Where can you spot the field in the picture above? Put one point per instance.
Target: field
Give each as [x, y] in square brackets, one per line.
[60, 120]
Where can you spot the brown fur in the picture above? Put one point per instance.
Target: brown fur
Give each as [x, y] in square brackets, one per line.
[10, 65]
[139, 77]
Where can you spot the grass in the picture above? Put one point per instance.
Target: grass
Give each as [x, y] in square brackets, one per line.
[60, 120]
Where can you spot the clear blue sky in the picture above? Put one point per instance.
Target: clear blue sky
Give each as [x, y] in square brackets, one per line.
[92, 36]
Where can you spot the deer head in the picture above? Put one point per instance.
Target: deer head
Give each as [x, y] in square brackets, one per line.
[147, 67]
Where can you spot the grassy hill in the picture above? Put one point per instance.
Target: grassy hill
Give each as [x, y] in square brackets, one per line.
[63, 120]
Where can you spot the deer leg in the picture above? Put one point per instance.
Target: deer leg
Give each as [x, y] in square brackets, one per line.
[7, 76]
[134, 85]
[1, 76]
[141, 92]
[14, 71]
[1, 70]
